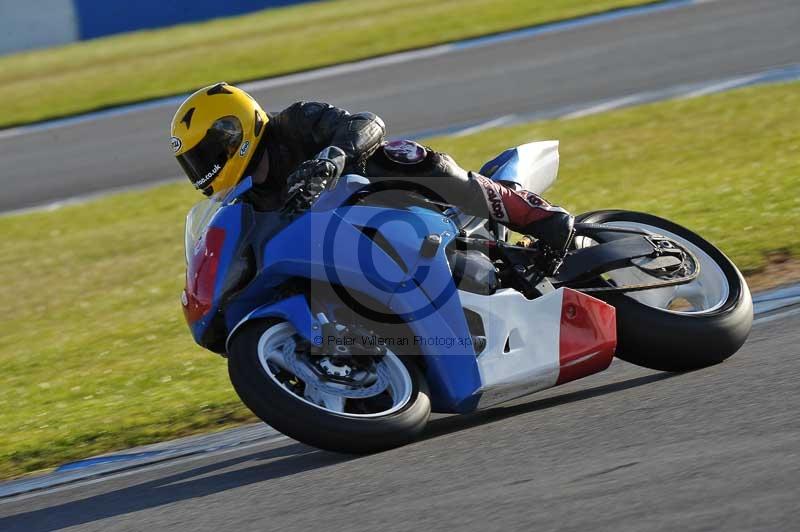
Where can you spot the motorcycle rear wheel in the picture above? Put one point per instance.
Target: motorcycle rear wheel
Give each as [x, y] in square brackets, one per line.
[679, 328]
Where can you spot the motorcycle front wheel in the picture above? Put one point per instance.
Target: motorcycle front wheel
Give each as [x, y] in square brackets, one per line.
[676, 328]
[278, 380]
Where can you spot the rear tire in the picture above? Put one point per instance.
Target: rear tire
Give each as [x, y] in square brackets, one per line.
[315, 426]
[669, 340]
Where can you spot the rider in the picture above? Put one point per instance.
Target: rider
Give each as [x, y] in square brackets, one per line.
[221, 134]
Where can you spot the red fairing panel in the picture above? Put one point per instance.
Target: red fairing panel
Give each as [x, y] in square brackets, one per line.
[201, 275]
[588, 336]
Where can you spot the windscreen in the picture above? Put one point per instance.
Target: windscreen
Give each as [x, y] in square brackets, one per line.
[201, 215]
[198, 220]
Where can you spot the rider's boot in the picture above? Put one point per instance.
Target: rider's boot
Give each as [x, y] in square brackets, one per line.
[525, 212]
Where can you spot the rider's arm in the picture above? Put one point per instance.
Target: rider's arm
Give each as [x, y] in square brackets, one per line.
[318, 125]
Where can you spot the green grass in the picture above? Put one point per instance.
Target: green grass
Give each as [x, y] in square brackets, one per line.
[96, 356]
[726, 165]
[109, 71]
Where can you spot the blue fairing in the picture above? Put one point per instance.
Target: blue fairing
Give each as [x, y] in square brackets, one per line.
[293, 309]
[335, 243]
[492, 167]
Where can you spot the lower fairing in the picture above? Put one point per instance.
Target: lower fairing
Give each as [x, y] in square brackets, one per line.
[532, 345]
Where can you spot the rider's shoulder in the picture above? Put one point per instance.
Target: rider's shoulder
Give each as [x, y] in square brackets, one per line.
[307, 108]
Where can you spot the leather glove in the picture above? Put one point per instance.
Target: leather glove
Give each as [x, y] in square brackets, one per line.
[307, 182]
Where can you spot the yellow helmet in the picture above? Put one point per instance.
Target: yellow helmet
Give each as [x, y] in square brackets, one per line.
[214, 134]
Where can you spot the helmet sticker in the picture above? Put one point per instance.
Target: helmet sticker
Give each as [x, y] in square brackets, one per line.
[187, 118]
[219, 88]
[244, 148]
[176, 144]
[202, 182]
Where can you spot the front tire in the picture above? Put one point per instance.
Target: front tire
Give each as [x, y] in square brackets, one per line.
[318, 425]
[718, 314]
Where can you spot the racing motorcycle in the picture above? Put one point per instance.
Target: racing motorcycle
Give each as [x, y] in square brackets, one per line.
[345, 327]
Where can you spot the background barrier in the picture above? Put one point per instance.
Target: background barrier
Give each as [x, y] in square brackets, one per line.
[26, 25]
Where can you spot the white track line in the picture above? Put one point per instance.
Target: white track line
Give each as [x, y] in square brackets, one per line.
[606, 106]
[723, 86]
[485, 125]
[77, 200]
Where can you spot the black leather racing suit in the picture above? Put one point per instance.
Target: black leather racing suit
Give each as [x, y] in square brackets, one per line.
[294, 136]
[299, 132]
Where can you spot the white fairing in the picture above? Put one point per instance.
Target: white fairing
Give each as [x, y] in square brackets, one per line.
[534, 166]
[530, 329]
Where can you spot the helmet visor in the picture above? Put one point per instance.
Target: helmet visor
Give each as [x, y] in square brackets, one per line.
[204, 162]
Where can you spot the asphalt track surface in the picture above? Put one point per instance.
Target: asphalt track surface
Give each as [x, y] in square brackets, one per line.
[691, 44]
[628, 449]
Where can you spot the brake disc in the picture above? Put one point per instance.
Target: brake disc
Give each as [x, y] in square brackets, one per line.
[312, 379]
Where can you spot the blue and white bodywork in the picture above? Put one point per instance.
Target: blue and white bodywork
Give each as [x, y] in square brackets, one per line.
[240, 263]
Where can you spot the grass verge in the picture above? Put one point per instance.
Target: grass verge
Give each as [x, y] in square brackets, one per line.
[94, 350]
[79, 77]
